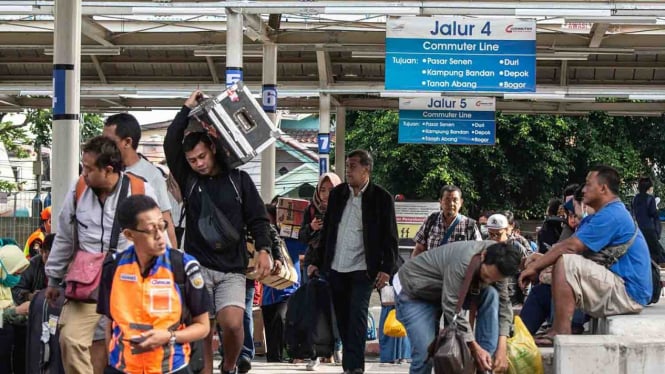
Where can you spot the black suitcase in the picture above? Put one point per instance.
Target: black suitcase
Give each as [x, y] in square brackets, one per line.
[43, 349]
[311, 326]
[243, 127]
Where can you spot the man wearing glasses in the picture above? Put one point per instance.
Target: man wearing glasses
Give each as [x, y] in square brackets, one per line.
[447, 225]
[150, 331]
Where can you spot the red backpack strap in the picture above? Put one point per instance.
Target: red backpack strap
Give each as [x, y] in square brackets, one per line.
[136, 183]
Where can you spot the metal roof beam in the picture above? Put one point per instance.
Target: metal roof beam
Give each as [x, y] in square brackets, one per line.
[96, 32]
[325, 68]
[98, 68]
[597, 34]
[256, 29]
[213, 69]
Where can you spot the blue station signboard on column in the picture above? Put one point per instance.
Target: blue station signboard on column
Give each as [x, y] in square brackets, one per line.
[447, 120]
[461, 54]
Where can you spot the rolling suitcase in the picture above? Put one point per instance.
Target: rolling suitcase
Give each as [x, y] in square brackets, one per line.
[243, 127]
[43, 348]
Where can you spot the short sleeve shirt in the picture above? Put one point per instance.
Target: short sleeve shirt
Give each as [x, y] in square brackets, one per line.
[613, 225]
[155, 179]
[433, 238]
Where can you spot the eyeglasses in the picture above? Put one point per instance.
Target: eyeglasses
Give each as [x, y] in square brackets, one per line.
[154, 230]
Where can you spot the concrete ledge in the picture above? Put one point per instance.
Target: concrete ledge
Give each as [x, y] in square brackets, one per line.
[607, 354]
[651, 322]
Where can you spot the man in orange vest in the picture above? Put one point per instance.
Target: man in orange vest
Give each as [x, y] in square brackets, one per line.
[36, 239]
[150, 331]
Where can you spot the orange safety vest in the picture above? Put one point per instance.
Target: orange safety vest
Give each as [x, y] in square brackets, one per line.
[140, 304]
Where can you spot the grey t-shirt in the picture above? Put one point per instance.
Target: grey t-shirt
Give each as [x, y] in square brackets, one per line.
[155, 179]
[437, 275]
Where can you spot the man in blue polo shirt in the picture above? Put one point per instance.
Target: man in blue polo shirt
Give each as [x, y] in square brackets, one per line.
[623, 287]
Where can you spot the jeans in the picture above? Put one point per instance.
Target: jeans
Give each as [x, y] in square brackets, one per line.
[248, 324]
[538, 308]
[351, 293]
[421, 320]
[391, 349]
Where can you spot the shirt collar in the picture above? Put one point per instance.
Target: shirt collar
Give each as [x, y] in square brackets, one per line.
[362, 190]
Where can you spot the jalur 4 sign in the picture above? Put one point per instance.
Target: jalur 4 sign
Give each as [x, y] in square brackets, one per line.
[460, 54]
[447, 120]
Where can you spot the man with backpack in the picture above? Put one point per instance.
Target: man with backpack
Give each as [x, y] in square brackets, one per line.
[87, 228]
[447, 225]
[604, 268]
[222, 203]
[125, 131]
[151, 331]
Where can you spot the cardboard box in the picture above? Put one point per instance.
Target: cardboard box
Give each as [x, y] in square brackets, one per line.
[259, 331]
[290, 214]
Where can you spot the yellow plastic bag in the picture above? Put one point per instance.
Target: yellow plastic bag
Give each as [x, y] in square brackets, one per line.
[392, 327]
[523, 354]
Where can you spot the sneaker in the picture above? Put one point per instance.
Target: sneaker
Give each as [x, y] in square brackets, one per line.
[338, 356]
[244, 365]
[234, 371]
[312, 365]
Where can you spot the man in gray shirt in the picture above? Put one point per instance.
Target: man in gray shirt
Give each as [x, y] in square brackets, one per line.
[125, 131]
[429, 284]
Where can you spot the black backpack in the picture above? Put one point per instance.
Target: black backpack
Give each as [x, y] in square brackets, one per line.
[311, 328]
[657, 283]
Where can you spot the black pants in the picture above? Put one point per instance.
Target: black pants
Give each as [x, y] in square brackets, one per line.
[655, 249]
[351, 293]
[274, 319]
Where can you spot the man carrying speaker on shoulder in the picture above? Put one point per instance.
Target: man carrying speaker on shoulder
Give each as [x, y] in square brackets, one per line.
[220, 203]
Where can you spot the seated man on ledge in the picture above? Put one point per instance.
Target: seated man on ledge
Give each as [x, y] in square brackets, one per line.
[604, 268]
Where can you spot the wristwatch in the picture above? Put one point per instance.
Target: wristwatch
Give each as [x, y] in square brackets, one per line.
[172, 338]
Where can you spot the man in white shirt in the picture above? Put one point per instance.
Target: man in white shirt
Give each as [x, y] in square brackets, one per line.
[125, 131]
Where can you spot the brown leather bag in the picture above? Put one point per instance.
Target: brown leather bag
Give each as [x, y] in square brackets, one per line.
[450, 353]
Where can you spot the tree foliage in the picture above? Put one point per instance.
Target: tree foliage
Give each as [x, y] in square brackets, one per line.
[38, 123]
[534, 158]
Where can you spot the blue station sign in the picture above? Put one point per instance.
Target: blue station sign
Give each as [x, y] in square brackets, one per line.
[447, 120]
[460, 54]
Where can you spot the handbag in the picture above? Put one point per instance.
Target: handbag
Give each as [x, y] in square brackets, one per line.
[85, 272]
[450, 353]
[392, 327]
[215, 228]
[371, 328]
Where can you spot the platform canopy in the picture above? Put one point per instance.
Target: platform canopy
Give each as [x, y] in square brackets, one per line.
[591, 55]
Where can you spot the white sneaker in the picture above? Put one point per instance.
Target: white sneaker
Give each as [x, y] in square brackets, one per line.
[312, 365]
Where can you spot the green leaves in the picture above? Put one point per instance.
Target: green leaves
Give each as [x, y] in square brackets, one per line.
[38, 123]
[534, 158]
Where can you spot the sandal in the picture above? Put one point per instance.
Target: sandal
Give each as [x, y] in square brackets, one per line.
[544, 341]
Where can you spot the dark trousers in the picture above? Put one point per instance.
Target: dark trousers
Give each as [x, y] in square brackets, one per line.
[655, 249]
[351, 293]
[274, 318]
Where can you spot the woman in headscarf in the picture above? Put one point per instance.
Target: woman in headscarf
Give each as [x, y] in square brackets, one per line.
[12, 263]
[310, 233]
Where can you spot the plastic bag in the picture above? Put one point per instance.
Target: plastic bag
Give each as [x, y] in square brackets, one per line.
[523, 354]
[392, 327]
